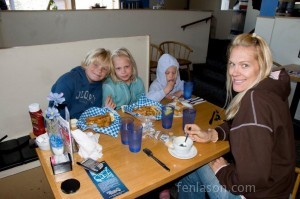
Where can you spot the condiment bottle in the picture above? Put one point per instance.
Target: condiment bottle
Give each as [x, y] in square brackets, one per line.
[37, 119]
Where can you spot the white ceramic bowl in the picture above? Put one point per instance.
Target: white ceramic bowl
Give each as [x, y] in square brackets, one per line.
[182, 149]
[43, 142]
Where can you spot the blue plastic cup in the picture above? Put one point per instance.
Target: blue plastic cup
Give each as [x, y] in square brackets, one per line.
[187, 90]
[167, 116]
[126, 127]
[188, 116]
[135, 138]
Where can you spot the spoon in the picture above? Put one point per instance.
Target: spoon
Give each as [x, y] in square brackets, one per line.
[184, 144]
[186, 137]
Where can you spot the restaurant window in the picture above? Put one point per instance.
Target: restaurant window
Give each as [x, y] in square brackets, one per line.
[87, 4]
[61, 4]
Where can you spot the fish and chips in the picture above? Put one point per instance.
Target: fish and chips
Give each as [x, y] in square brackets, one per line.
[178, 108]
[100, 120]
[147, 111]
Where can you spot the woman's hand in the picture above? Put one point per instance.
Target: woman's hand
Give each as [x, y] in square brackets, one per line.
[216, 164]
[198, 135]
[110, 103]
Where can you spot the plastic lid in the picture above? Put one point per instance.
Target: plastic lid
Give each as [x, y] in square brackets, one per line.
[34, 107]
[73, 123]
[70, 186]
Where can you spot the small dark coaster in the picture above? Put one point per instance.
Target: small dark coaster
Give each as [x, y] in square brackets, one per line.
[70, 186]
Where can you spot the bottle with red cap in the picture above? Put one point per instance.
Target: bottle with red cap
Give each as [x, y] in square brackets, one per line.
[37, 119]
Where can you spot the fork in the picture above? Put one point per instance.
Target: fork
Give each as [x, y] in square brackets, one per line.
[196, 101]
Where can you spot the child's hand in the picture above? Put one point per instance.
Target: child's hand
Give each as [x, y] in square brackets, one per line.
[170, 86]
[110, 103]
[178, 94]
[170, 96]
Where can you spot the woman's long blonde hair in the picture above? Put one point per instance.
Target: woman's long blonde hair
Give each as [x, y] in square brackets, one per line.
[262, 55]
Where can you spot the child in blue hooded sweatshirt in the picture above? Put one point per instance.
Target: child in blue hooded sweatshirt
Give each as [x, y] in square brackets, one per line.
[82, 86]
[167, 83]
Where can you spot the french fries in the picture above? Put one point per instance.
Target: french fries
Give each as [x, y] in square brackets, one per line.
[147, 111]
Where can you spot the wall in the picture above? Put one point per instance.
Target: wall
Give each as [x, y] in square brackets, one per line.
[221, 24]
[285, 42]
[251, 16]
[178, 4]
[205, 5]
[21, 28]
[282, 34]
[264, 27]
[222, 20]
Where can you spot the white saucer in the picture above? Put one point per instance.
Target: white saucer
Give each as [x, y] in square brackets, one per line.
[191, 154]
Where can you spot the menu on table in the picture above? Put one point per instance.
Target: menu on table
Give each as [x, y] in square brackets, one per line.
[64, 128]
[107, 182]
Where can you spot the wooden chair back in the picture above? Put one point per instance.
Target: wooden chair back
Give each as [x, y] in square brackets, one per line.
[297, 182]
[155, 53]
[176, 49]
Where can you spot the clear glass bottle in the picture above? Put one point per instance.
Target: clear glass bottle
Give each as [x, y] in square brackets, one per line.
[55, 138]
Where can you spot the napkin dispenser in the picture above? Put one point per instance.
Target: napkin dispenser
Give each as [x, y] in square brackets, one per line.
[61, 167]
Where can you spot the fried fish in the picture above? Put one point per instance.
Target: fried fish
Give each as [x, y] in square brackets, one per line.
[100, 120]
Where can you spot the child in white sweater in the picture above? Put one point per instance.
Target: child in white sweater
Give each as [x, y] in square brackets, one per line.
[167, 83]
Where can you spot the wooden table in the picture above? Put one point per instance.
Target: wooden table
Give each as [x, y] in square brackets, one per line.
[137, 171]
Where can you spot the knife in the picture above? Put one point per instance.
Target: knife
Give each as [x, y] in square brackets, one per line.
[150, 154]
[212, 118]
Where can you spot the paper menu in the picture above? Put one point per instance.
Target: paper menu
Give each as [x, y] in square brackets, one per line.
[65, 131]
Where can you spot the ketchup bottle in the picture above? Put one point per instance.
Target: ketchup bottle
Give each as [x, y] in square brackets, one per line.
[37, 119]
